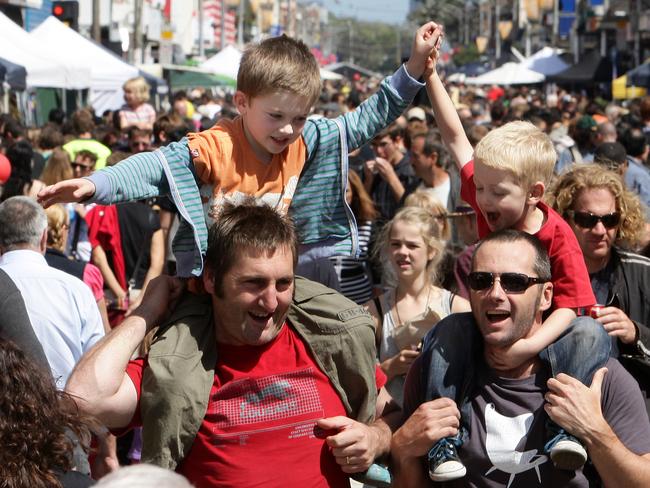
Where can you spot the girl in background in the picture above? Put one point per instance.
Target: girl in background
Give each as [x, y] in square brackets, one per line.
[58, 223]
[136, 112]
[411, 248]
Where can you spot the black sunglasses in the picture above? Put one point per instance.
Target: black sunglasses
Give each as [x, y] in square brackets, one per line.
[510, 282]
[587, 220]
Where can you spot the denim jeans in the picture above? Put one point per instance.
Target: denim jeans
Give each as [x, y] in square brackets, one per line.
[452, 352]
[580, 351]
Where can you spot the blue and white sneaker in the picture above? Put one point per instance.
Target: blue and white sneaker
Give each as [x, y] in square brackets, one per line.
[444, 463]
[566, 452]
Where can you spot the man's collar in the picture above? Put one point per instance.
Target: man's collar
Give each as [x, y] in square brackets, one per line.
[22, 255]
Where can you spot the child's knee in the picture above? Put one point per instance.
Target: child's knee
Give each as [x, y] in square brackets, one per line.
[589, 331]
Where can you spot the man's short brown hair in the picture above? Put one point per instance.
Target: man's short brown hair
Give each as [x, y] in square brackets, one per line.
[248, 226]
[279, 64]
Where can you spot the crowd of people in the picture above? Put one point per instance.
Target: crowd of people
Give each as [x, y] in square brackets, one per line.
[333, 280]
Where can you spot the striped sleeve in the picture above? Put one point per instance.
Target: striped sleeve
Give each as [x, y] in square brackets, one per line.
[137, 177]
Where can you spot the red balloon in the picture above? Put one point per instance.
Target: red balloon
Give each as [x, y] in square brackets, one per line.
[5, 168]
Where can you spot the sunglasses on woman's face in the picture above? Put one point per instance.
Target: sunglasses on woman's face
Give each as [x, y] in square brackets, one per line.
[587, 220]
[510, 282]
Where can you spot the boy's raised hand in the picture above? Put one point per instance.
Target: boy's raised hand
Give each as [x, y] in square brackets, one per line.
[432, 61]
[74, 190]
[427, 38]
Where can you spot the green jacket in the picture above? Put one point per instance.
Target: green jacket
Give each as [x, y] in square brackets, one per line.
[180, 373]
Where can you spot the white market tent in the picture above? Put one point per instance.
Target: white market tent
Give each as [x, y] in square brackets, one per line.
[508, 74]
[225, 62]
[107, 72]
[546, 61]
[326, 74]
[45, 65]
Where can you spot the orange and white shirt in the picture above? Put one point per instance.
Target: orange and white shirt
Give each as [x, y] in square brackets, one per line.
[230, 171]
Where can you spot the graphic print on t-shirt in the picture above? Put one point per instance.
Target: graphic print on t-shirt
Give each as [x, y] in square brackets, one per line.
[503, 436]
[269, 402]
[213, 200]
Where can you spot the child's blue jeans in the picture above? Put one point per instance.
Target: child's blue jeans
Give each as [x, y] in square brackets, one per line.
[452, 352]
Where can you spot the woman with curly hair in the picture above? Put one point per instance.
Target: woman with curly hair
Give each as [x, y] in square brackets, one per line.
[36, 423]
[606, 219]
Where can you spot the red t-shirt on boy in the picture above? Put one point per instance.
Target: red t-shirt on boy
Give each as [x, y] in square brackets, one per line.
[571, 284]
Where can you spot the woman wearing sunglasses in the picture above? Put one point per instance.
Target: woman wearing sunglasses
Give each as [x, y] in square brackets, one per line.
[607, 219]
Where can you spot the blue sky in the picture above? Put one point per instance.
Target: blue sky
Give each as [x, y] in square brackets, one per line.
[389, 11]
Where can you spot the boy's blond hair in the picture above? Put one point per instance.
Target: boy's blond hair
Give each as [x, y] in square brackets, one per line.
[279, 64]
[140, 88]
[520, 148]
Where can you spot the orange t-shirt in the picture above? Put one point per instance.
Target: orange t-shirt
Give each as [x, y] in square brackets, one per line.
[229, 170]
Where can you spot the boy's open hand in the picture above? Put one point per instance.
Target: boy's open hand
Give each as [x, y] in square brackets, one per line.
[75, 190]
[427, 38]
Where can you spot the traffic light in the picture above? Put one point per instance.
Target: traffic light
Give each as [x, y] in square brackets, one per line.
[67, 12]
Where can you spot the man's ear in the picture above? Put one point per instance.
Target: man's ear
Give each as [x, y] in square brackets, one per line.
[241, 101]
[434, 158]
[536, 192]
[546, 299]
[43, 244]
[208, 281]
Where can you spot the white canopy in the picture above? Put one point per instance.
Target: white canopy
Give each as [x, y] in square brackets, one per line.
[46, 66]
[225, 62]
[546, 61]
[107, 72]
[508, 74]
[326, 74]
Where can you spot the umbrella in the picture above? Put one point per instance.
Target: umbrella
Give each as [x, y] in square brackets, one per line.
[508, 74]
[639, 76]
[593, 68]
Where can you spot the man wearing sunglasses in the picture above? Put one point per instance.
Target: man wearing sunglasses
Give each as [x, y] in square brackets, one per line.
[508, 407]
[606, 219]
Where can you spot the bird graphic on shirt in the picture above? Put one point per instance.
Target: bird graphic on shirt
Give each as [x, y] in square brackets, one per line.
[503, 436]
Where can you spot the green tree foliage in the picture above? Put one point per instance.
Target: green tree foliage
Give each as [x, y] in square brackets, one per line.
[373, 45]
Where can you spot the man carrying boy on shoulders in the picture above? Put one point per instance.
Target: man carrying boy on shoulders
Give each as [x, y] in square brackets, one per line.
[504, 180]
[271, 151]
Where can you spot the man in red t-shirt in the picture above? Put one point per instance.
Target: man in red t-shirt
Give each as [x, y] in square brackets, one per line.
[279, 406]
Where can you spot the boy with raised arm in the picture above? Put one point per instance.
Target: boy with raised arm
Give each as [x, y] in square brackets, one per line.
[504, 180]
[271, 151]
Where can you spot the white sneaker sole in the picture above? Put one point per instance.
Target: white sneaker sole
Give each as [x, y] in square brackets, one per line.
[448, 471]
[568, 455]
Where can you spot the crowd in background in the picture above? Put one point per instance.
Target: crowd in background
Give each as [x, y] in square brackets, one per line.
[402, 188]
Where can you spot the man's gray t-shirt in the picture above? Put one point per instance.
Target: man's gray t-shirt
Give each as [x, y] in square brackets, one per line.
[506, 444]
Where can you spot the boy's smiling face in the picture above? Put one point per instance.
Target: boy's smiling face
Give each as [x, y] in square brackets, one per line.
[272, 121]
[501, 199]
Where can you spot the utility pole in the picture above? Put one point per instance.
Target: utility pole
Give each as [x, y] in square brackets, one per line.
[497, 15]
[350, 41]
[241, 10]
[97, 33]
[398, 51]
[223, 22]
[556, 22]
[201, 39]
[137, 33]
